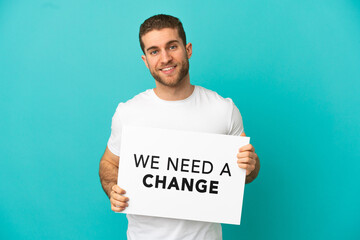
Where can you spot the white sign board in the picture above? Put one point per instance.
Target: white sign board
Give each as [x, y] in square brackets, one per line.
[183, 175]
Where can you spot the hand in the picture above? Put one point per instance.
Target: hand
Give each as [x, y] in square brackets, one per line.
[247, 158]
[117, 200]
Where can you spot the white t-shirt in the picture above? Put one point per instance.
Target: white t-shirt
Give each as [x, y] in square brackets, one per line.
[202, 111]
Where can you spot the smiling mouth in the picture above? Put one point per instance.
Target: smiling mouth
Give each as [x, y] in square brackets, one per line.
[167, 69]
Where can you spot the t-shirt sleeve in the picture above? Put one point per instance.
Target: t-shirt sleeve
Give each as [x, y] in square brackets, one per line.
[236, 127]
[116, 128]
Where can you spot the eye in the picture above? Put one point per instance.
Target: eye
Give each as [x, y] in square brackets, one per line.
[154, 52]
[172, 47]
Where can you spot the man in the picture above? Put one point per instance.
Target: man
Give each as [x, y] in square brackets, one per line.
[173, 104]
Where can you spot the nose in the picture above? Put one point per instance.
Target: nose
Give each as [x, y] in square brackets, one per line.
[165, 57]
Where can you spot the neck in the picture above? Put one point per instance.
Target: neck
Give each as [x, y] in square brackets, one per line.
[179, 92]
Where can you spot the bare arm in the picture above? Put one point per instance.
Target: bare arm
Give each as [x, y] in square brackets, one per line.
[108, 171]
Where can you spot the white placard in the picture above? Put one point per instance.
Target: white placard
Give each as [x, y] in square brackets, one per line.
[183, 175]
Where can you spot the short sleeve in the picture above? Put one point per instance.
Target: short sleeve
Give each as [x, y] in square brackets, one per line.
[236, 127]
[116, 129]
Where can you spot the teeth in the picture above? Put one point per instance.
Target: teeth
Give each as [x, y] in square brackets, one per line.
[167, 69]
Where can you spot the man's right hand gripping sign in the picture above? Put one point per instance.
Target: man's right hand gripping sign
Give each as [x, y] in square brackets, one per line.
[117, 200]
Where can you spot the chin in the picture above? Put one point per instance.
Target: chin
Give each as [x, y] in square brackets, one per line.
[169, 83]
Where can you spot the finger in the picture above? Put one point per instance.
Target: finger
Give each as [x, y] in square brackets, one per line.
[247, 147]
[250, 161]
[250, 167]
[245, 154]
[247, 167]
[118, 197]
[117, 209]
[118, 190]
[118, 203]
[243, 166]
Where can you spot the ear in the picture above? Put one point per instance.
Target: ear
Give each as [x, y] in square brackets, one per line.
[189, 50]
[143, 57]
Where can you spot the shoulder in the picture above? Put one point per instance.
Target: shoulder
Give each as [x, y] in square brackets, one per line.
[214, 98]
[137, 101]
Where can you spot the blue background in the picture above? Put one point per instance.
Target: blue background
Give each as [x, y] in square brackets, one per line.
[291, 67]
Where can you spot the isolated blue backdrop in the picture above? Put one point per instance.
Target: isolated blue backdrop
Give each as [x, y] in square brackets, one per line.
[291, 67]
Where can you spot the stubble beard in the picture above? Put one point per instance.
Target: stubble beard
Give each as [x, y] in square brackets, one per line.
[183, 72]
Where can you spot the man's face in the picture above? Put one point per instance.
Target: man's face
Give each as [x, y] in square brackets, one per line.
[166, 56]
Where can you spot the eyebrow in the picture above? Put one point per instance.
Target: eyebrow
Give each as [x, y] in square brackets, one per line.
[168, 43]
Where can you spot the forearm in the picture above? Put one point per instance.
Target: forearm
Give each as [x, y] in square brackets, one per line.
[251, 177]
[108, 173]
